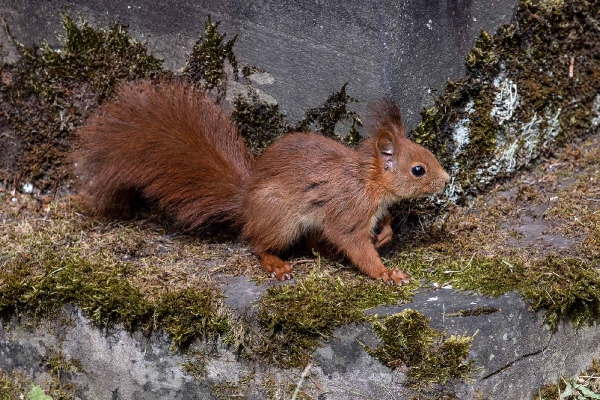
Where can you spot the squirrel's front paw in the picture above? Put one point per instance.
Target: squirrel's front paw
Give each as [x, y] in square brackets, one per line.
[276, 267]
[397, 276]
[282, 272]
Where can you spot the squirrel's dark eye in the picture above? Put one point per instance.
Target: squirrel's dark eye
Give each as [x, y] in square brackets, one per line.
[417, 171]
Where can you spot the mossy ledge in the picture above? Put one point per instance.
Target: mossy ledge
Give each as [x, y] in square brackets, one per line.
[530, 87]
[39, 285]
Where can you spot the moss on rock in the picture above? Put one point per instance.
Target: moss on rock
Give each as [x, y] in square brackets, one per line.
[529, 87]
[427, 356]
[295, 317]
[49, 92]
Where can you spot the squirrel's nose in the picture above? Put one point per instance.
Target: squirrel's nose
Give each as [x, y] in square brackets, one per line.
[446, 177]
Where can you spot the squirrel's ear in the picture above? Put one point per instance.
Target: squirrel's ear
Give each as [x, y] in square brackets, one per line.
[385, 150]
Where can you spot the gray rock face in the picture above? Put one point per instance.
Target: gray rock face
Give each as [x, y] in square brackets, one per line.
[398, 49]
[513, 352]
[115, 365]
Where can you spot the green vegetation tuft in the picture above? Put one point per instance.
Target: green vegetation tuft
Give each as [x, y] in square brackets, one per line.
[428, 356]
[99, 57]
[13, 386]
[49, 92]
[192, 313]
[324, 118]
[295, 317]
[207, 59]
[40, 284]
[259, 122]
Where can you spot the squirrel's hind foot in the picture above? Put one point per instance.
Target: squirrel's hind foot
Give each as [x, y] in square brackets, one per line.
[276, 267]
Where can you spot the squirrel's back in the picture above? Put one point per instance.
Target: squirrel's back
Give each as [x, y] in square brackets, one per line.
[170, 143]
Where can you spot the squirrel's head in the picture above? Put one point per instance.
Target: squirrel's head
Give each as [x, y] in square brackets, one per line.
[407, 169]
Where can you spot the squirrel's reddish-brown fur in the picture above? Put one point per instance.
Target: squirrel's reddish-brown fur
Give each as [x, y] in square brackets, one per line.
[170, 143]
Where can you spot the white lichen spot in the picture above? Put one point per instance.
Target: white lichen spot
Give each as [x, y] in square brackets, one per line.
[27, 188]
[506, 100]
[461, 135]
[507, 161]
[531, 137]
[553, 128]
[462, 132]
[429, 24]
[596, 111]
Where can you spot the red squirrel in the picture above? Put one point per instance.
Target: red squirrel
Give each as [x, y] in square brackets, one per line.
[171, 143]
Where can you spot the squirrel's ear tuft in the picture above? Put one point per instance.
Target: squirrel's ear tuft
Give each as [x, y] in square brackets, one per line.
[385, 115]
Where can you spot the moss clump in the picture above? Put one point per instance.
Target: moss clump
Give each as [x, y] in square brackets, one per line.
[48, 93]
[428, 356]
[295, 317]
[324, 118]
[260, 123]
[39, 284]
[474, 312]
[19, 385]
[207, 60]
[60, 367]
[192, 313]
[14, 385]
[100, 58]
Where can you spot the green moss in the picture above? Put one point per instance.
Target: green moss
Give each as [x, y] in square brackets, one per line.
[518, 100]
[477, 311]
[14, 385]
[260, 123]
[60, 367]
[295, 317]
[428, 355]
[585, 386]
[482, 56]
[192, 313]
[324, 118]
[49, 92]
[19, 385]
[41, 283]
[99, 57]
[207, 60]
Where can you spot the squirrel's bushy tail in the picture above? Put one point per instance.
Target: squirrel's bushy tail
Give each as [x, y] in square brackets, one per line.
[169, 143]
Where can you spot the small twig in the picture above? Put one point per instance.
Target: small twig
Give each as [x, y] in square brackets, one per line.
[549, 296]
[390, 393]
[304, 373]
[571, 67]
